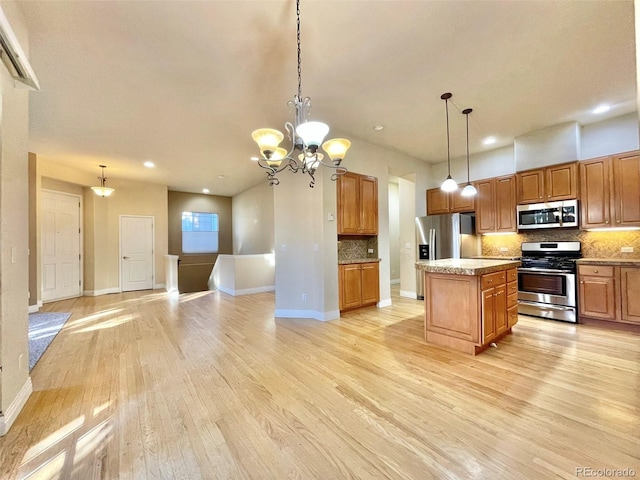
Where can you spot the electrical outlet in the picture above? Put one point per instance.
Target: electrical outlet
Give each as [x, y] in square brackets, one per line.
[626, 249]
[20, 359]
[369, 250]
[304, 297]
[283, 248]
[504, 249]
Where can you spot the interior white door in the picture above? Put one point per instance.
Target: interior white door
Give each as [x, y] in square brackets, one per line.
[60, 246]
[136, 247]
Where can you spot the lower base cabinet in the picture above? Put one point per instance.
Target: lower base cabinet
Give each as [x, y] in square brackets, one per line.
[359, 285]
[467, 312]
[609, 292]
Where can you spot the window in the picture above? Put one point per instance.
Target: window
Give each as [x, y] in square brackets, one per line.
[199, 232]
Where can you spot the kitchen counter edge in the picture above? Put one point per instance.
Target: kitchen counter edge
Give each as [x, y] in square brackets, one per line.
[633, 262]
[359, 260]
[466, 266]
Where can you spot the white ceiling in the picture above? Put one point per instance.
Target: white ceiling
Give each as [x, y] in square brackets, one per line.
[184, 83]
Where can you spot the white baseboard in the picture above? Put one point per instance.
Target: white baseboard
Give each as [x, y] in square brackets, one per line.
[408, 294]
[33, 308]
[313, 314]
[384, 303]
[247, 291]
[159, 286]
[7, 419]
[395, 281]
[104, 291]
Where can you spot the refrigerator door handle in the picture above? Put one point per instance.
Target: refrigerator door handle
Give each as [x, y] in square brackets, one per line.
[432, 244]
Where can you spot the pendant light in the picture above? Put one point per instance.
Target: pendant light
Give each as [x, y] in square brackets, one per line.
[449, 185]
[103, 190]
[469, 190]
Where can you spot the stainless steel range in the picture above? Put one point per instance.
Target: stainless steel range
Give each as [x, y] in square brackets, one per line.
[547, 280]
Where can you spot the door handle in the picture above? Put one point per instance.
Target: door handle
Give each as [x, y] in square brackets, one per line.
[125, 258]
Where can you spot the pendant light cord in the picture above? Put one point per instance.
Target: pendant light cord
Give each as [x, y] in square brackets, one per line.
[467, 115]
[446, 106]
[299, 51]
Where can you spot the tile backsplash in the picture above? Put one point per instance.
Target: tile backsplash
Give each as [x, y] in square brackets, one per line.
[594, 244]
[356, 247]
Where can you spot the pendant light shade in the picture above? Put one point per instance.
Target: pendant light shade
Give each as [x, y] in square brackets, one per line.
[469, 190]
[449, 185]
[103, 190]
[312, 133]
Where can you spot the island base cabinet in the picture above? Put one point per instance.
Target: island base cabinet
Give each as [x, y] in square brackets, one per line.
[467, 312]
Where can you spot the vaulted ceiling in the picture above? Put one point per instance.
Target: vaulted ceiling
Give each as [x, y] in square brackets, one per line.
[183, 83]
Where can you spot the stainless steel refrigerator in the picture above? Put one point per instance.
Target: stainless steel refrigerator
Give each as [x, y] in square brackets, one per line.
[445, 236]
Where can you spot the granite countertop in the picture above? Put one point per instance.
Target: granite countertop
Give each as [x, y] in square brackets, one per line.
[466, 266]
[358, 260]
[633, 262]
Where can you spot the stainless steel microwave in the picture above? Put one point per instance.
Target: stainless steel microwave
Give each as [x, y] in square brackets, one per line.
[548, 215]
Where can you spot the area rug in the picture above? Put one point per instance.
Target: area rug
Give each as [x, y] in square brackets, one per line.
[43, 327]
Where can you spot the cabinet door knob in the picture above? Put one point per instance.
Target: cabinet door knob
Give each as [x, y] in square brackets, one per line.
[595, 270]
[581, 281]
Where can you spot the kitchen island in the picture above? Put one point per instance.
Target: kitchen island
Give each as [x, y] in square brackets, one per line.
[469, 303]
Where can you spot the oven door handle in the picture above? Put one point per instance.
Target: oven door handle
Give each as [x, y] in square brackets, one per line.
[547, 306]
[544, 270]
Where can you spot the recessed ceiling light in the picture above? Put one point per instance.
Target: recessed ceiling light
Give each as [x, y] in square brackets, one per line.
[489, 140]
[149, 164]
[220, 176]
[377, 128]
[255, 159]
[601, 109]
[205, 190]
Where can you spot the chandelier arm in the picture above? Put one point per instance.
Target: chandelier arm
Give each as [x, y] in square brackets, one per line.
[275, 169]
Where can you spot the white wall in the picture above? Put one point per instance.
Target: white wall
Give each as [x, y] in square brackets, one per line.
[394, 231]
[408, 194]
[487, 164]
[15, 385]
[252, 219]
[545, 147]
[549, 146]
[619, 134]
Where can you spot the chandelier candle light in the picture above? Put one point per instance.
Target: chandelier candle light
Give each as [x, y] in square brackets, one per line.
[449, 185]
[305, 136]
[469, 190]
[103, 190]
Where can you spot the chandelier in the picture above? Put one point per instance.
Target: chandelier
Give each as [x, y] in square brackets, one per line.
[103, 190]
[305, 137]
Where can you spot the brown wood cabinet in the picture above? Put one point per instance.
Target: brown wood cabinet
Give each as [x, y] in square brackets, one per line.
[496, 205]
[630, 294]
[549, 184]
[357, 204]
[359, 285]
[467, 312]
[439, 202]
[610, 191]
[597, 292]
[609, 292]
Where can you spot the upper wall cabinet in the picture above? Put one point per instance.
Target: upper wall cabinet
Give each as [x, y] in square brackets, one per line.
[439, 202]
[357, 204]
[557, 182]
[496, 205]
[610, 191]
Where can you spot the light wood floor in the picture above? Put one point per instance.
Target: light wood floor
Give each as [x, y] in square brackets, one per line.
[147, 385]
